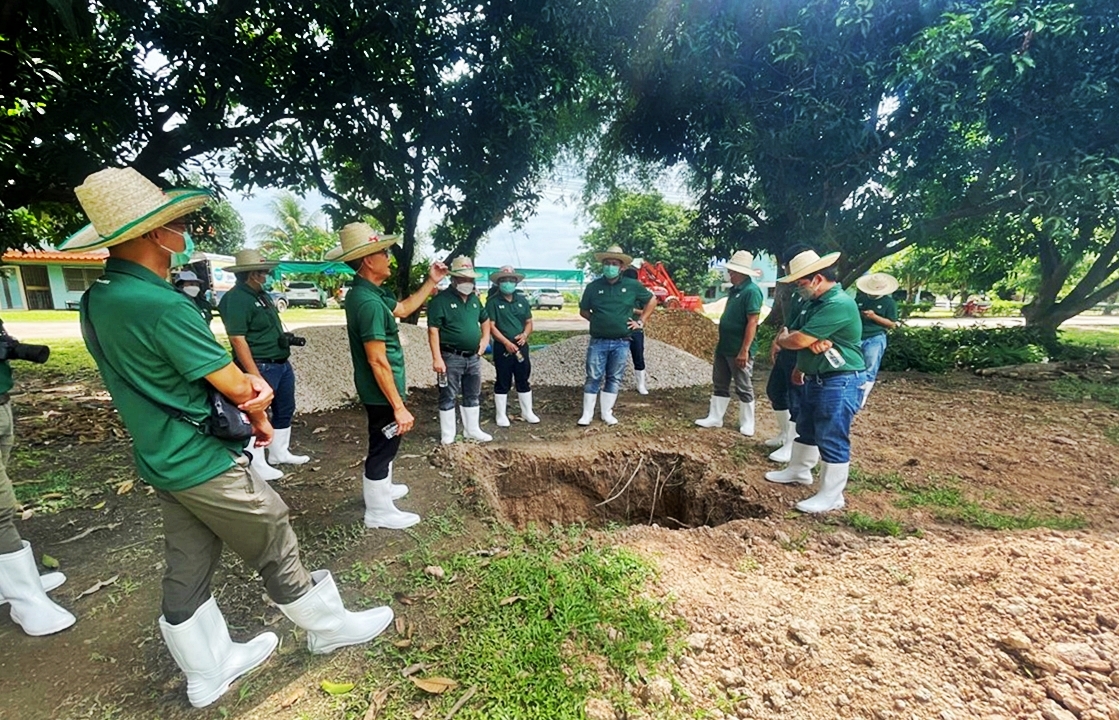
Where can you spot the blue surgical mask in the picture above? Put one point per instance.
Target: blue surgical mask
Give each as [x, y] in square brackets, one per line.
[611, 271]
[179, 259]
[507, 287]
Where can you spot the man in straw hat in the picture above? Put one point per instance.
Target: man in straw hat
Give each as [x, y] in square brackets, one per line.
[830, 366]
[261, 348]
[510, 325]
[458, 331]
[608, 304]
[153, 350]
[734, 353]
[378, 359]
[880, 313]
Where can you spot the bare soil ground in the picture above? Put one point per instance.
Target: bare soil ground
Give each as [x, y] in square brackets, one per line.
[786, 616]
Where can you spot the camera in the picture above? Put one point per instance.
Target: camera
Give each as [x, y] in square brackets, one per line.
[292, 340]
[12, 349]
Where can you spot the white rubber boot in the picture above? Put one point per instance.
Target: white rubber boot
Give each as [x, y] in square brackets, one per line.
[782, 429]
[804, 458]
[50, 581]
[207, 656]
[606, 409]
[866, 388]
[32, 610]
[784, 453]
[715, 412]
[746, 418]
[279, 451]
[501, 406]
[642, 389]
[589, 401]
[328, 623]
[833, 479]
[470, 428]
[396, 490]
[447, 426]
[259, 466]
[380, 511]
[525, 399]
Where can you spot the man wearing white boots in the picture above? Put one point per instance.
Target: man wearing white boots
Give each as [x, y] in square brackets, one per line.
[734, 354]
[458, 331]
[378, 360]
[262, 348]
[608, 303]
[511, 326]
[21, 586]
[830, 367]
[783, 396]
[154, 352]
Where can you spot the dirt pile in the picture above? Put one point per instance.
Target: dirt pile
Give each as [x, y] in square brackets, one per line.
[690, 331]
[783, 624]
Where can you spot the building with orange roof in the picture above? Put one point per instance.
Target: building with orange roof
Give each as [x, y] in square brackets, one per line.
[47, 279]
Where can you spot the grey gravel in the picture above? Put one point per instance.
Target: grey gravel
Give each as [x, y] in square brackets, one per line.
[564, 364]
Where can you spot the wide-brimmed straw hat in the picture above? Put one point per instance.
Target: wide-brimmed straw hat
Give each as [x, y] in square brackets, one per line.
[808, 263]
[463, 267]
[122, 204]
[742, 261]
[877, 284]
[614, 252]
[506, 271]
[358, 240]
[248, 260]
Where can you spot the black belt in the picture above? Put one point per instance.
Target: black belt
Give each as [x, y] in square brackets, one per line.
[461, 353]
[273, 362]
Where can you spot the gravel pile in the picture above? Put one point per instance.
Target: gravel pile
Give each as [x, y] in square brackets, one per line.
[324, 374]
[564, 365]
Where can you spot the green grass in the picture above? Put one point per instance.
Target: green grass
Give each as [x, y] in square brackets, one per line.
[1077, 389]
[41, 316]
[946, 500]
[1105, 337]
[68, 359]
[314, 316]
[539, 627]
[874, 526]
[551, 337]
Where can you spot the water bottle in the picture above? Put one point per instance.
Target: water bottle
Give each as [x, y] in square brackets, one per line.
[834, 357]
[441, 379]
[390, 430]
[520, 355]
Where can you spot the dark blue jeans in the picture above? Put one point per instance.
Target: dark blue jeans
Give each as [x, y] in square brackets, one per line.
[509, 370]
[282, 379]
[828, 405]
[606, 359]
[464, 374]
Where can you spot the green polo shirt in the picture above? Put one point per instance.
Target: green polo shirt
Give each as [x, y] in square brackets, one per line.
[795, 308]
[5, 371]
[832, 316]
[883, 306]
[369, 317]
[743, 300]
[611, 305]
[510, 316]
[251, 315]
[459, 321]
[154, 335]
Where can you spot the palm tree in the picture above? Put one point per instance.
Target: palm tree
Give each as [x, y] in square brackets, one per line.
[296, 234]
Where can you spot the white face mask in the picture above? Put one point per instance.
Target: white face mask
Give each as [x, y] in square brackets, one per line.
[192, 290]
[464, 288]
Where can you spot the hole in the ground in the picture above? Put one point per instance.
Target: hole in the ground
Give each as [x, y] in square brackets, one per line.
[640, 486]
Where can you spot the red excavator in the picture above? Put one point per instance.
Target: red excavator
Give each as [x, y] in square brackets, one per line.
[655, 277]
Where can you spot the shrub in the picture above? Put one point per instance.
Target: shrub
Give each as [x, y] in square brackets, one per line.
[906, 309]
[938, 349]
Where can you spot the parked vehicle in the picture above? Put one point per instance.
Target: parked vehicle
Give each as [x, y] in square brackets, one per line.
[341, 293]
[546, 299]
[216, 281]
[302, 293]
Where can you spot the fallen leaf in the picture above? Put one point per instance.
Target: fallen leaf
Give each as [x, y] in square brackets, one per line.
[376, 702]
[49, 562]
[51, 496]
[402, 598]
[413, 669]
[408, 457]
[98, 506]
[293, 698]
[125, 487]
[97, 586]
[402, 643]
[434, 685]
[333, 688]
[511, 599]
[26, 515]
[434, 571]
[400, 626]
[461, 701]
[318, 430]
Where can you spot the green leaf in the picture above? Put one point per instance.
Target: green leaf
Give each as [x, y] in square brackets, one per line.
[333, 688]
[49, 562]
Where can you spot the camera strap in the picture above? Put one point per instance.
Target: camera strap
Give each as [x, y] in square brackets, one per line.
[99, 354]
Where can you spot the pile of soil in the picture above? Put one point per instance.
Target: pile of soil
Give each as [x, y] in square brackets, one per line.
[687, 330]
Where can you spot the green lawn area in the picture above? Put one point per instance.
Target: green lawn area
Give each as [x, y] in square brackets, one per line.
[30, 316]
[1107, 337]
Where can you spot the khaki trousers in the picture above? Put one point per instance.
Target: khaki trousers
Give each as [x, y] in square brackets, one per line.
[9, 536]
[234, 509]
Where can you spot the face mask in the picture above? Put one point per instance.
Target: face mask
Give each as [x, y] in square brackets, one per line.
[806, 292]
[611, 271]
[507, 287]
[192, 290]
[179, 259]
[464, 288]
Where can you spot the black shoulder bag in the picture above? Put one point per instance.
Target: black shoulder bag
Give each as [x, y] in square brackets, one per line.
[225, 422]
